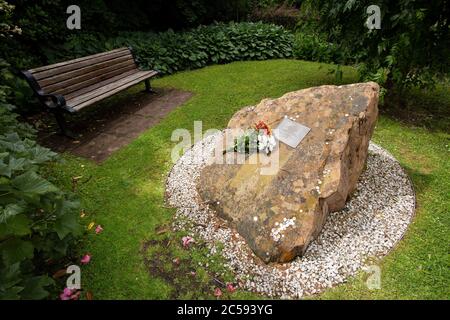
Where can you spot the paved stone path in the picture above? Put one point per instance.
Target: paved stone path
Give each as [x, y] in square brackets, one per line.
[110, 127]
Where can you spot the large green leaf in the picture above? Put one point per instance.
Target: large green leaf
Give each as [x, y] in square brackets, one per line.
[11, 293]
[34, 288]
[13, 143]
[17, 225]
[17, 164]
[9, 280]
[10, 210]
[16, 250]
[66, 206]
[66, 224]
[5, 170]
[31, 182]
[41, 154]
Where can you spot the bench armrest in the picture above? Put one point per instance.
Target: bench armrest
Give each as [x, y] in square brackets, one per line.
[57, 99]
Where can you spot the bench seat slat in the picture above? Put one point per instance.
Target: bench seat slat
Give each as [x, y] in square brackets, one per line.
[100, 84]
[101, 93]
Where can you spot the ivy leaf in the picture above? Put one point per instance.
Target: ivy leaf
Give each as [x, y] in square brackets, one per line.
[31, 182]
[16, 250]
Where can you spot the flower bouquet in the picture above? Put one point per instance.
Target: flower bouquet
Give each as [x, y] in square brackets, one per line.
[256, 139]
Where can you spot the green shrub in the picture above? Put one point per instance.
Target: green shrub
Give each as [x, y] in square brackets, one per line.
[171, 51]
[410, 49]
[314, 47]
[38, 221]
[44, 22]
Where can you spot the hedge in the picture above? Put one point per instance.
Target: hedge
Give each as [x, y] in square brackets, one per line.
[171, 51]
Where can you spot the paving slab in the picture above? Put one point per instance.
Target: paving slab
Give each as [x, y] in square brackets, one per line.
[130, 126]
[158, 109]
[101, 147]
[104, 130]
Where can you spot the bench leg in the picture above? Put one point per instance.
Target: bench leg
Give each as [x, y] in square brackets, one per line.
[148, 87]
[62, 124]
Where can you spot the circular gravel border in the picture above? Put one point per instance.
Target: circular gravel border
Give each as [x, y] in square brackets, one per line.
[370, 225]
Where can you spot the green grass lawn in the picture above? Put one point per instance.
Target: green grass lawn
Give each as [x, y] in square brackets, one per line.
[125, 194]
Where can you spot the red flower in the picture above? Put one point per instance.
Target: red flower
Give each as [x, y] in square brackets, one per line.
[261, 125]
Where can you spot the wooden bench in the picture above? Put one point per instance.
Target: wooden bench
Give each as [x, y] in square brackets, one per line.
[72, 85]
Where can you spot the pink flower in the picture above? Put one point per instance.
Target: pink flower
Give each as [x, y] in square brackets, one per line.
[187, 241]
[69, 294]
[65, 295]
[217, 292]
[86, 259]
[230, 287]
[75, 296]
[98, 229]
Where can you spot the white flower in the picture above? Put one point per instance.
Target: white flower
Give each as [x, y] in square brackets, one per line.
[272, 143]
[266, 143]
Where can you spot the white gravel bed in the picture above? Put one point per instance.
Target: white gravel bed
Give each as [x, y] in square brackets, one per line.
[373, 221]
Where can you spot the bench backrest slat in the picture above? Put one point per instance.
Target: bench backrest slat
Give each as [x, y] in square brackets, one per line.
[74, 75]
[44, 71]
[86, 79]
[59, 77]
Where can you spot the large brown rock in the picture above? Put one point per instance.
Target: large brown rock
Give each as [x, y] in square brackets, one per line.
[280, 214]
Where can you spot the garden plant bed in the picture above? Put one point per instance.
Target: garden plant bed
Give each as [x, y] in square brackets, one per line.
[372, 222]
